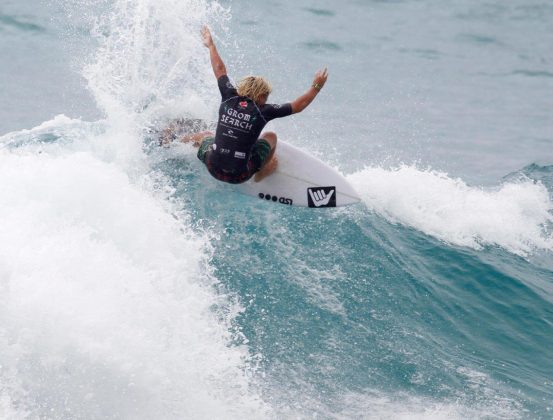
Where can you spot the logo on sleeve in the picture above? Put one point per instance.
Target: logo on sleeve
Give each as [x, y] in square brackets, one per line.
[321, 197]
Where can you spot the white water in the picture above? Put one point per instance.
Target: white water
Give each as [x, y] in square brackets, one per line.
[106, 298]
[514, 215]
[106, 295]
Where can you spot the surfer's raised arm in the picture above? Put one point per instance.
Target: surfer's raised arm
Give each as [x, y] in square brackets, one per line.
[240, 149]
[217, 64]
[304, 100]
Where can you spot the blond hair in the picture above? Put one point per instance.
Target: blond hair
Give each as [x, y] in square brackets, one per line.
[254, 87]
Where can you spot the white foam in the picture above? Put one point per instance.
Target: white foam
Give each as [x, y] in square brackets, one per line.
[105, 300]
[514, 215]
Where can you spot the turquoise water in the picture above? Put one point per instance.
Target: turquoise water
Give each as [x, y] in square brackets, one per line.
[134, 286]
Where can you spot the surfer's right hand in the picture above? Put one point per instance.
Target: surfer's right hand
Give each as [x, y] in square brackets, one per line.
[206, 37]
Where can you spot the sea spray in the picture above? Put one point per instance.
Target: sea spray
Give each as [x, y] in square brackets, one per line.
[150, 61]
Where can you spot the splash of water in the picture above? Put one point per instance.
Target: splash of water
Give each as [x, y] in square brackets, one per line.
[106, 303]
[150, 60]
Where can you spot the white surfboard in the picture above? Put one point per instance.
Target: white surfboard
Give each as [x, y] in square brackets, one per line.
[301, 180]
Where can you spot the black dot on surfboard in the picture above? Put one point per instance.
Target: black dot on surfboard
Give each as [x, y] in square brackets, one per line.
[275, 198]
[261, 195]
[267, 197]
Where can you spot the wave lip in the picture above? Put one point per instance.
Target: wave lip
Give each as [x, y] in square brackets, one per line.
[516, 216]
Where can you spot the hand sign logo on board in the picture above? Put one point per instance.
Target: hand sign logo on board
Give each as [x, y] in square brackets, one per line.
[321, 197]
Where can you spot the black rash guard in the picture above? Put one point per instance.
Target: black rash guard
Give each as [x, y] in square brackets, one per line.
[239, 126]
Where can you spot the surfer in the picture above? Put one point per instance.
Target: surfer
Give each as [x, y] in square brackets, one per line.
[238, 150]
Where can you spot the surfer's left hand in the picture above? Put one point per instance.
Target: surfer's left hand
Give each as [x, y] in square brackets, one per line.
[320, 78]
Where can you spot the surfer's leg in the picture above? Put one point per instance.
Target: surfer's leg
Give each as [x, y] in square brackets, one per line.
[205, 147]
[197, 138]
[270, 163]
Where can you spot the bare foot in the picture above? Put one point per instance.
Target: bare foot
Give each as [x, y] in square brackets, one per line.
[266, 170]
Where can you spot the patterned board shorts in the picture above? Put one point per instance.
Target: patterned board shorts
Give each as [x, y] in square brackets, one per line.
[259, 155]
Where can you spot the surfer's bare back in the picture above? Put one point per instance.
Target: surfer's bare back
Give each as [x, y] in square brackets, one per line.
[237, 151]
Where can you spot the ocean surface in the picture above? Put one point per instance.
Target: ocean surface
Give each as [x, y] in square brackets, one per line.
[133, 286]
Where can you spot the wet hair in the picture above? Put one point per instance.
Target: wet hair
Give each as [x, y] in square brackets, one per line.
[254, 87]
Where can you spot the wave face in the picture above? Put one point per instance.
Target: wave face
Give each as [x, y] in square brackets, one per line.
[133, 286]
[397, 308]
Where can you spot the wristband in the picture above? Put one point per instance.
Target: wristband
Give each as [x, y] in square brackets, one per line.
[317, 86]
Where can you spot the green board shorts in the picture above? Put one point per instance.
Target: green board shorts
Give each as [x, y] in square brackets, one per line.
[259, 155]
[205, 147]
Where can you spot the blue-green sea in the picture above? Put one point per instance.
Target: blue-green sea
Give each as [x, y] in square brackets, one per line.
[134, 286]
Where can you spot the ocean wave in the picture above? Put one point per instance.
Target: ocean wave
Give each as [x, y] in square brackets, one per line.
[516, 216]
[132, 288]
